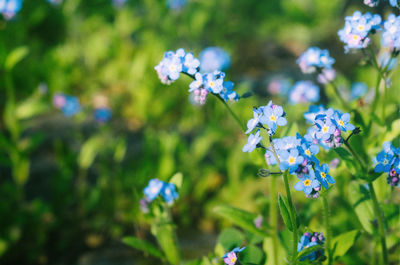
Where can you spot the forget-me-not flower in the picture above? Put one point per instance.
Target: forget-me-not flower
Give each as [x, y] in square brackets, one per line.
[169, 192]
[214, 59]
[153, 189]
[252, 142]
[304, 92]
[307, 184]
[322, 175]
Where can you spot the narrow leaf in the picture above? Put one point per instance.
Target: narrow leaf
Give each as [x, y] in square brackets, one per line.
[242, 219]
[307, 251]
[143, 246]
[359, 197]
[283, 206]
[15, 57]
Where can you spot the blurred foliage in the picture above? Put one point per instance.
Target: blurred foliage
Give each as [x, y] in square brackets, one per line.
[70, 186]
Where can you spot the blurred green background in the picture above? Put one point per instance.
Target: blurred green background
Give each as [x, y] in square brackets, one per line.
[70, 187]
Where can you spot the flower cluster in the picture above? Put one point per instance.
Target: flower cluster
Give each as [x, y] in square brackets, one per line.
[371, 3]
[314, 59]
[328, 126]
[271, 116]
[388, 161]
[308, 240]
[357, 29]
[9, 8]
[391, 32]
[174, 63]
[279, 86]
[69, 105]
[230, 258]
[304, 92]
[214, 59]
[357, 90]
[394, 3]
[158, 187]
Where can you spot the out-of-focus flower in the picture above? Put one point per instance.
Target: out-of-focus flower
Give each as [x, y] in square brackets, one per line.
[69, 105]
[304, 92]
[116, 3]
[153, 189]
[55, 2]
[371, 3]
[169, 192]
[357, 90]
[326, 76]
[386, 61]
[391, 32]
[258, 221]
[314, 59]
[9, 8]
[102, 114]
[214, 59]
[334, 163]
[394, 3]
[279, 86]
[176, 4]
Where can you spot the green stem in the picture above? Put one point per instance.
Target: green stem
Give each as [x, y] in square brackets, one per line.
[381, 229]
[241, 125]
[327, 227]
[337, 92]
[377, 210]
[292, 218]
[273, 219]
[379, 79]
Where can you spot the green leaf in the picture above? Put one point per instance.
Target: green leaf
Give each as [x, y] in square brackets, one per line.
[231, 238]
[308, 251]
[251, 255]
[360, 199]
[143, 246]
[242, 219]
[30, 108]
[343, 242]
[89, 151]
[347, 158]
[177, 179]
[166, 238]
[15, 57]
[283, 207]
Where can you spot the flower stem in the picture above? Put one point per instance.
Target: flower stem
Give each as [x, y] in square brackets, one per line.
[327, 227]
[241, 125]
[377, 210]
[381, 229]
[337, 92]
[292, 218]
[273, 219]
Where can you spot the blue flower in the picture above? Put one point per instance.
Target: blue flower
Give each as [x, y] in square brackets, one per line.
[307, 184]
[227, 92]
[308, 240]
[169, 68]
[358, 89]
[214, 59]
[252, 142]
[176, 4]
[391, 32]
[213, 82]
[9, 8]
[102, 114]
[385, 162]
[153, 189]
[342, 122]
[308, 149]
[322, 175]
[71, 106]
[230, 258]
[357, 29]
[325, 129]
[290, 160]
[169, 192]
[304, 92]
[396, 165]
[313, 112]
[386, 60]
[279, 85]
[252, 123]
[190, 64]
[394, 3]
[273, 116]
[314, 58]
[197, 83]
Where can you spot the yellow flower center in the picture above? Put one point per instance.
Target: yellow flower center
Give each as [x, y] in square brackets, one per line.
[325, 129]
[233, 260]
[308, 152]
[172, 67]
[341, 123]
[307, 182]
[360, 27]
[355, 37]
[212, 84]
[291, 160]
[323, 175]
[272, 118]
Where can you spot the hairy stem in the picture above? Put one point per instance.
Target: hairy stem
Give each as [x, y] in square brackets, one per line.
[273, 219]
[327, 227]
[292, 218]
[381, 229]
